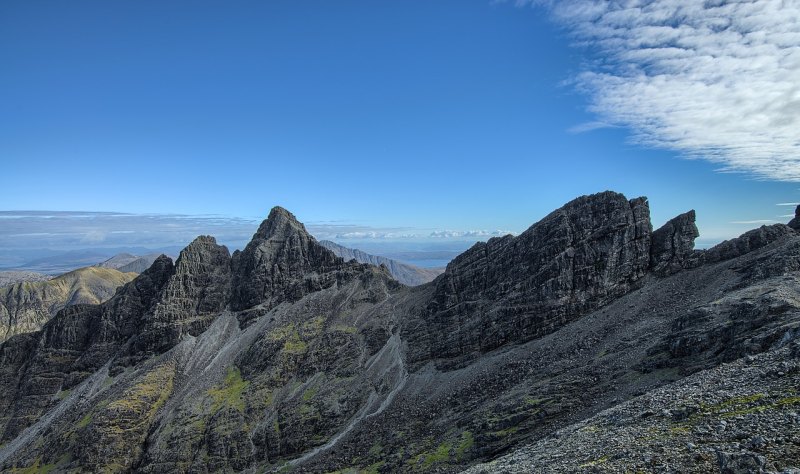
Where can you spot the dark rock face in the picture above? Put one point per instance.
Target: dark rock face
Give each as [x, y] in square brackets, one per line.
[511, 289]
[746, 243]
[281, 263]
[195, 293]
[75, 343]
[795, 222]
[672, 246]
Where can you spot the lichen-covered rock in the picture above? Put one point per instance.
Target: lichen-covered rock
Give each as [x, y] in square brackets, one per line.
[672, 247]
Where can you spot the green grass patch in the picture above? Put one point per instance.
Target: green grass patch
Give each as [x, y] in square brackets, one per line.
[84, 422]
[310, 393]
[230, 394]
[36, 468]
[596, 462]
[465, 444]
[344, 329]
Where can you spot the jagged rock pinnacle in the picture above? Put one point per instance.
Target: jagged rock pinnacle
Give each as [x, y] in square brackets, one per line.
[795, 223]
[673, 244]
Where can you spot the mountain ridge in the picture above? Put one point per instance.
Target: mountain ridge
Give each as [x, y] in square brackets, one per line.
[406, 274]
[27, 306]
[284, 356]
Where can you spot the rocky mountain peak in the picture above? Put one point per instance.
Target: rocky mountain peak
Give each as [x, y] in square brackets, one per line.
[580, 257]
[196, 291]
[280, 224]
[282, 261]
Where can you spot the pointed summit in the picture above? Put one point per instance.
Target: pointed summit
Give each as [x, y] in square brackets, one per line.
[280, 223]
[283, 261]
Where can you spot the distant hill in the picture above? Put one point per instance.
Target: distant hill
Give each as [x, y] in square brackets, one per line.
[406, 274]
[26, 306]
[126, 262]
[15, 276]
[52, 262]
[117, 260]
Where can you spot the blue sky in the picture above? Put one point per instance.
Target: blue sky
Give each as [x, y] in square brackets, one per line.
[399, 118]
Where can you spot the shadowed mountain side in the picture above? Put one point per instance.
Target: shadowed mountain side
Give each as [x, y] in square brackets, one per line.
[404, 273]
[285, 357]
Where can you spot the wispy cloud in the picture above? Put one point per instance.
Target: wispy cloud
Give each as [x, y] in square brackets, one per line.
[471, 234]
[757, 221]
[69, 230]
[788, 204]
[77, 230]
[589, 126]
[713, 80]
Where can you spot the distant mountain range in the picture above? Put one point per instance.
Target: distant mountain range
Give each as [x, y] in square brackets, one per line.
[406, 274]
[56, 262]
[126, 262]
[14, 276]
[30, 299]
[26, 306]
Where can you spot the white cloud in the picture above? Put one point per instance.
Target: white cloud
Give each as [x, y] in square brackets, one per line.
[373, 235]
[445, 234]
[757, 221]
[713, 80]
[788, 204]
[589, 126]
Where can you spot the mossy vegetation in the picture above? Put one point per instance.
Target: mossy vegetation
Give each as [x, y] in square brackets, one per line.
[345, 329]
[310, 393]
[464, 445]
[594, 462]
[36, 468]
[289, 334]
[447, 452]
[230, 393]
[87, 418]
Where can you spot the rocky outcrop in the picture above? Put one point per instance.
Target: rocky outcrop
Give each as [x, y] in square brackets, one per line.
[672, 247]
[511, 289]
[27, 306]
[282, 262]
[406, 274]
[195, 293]
[747, 242]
